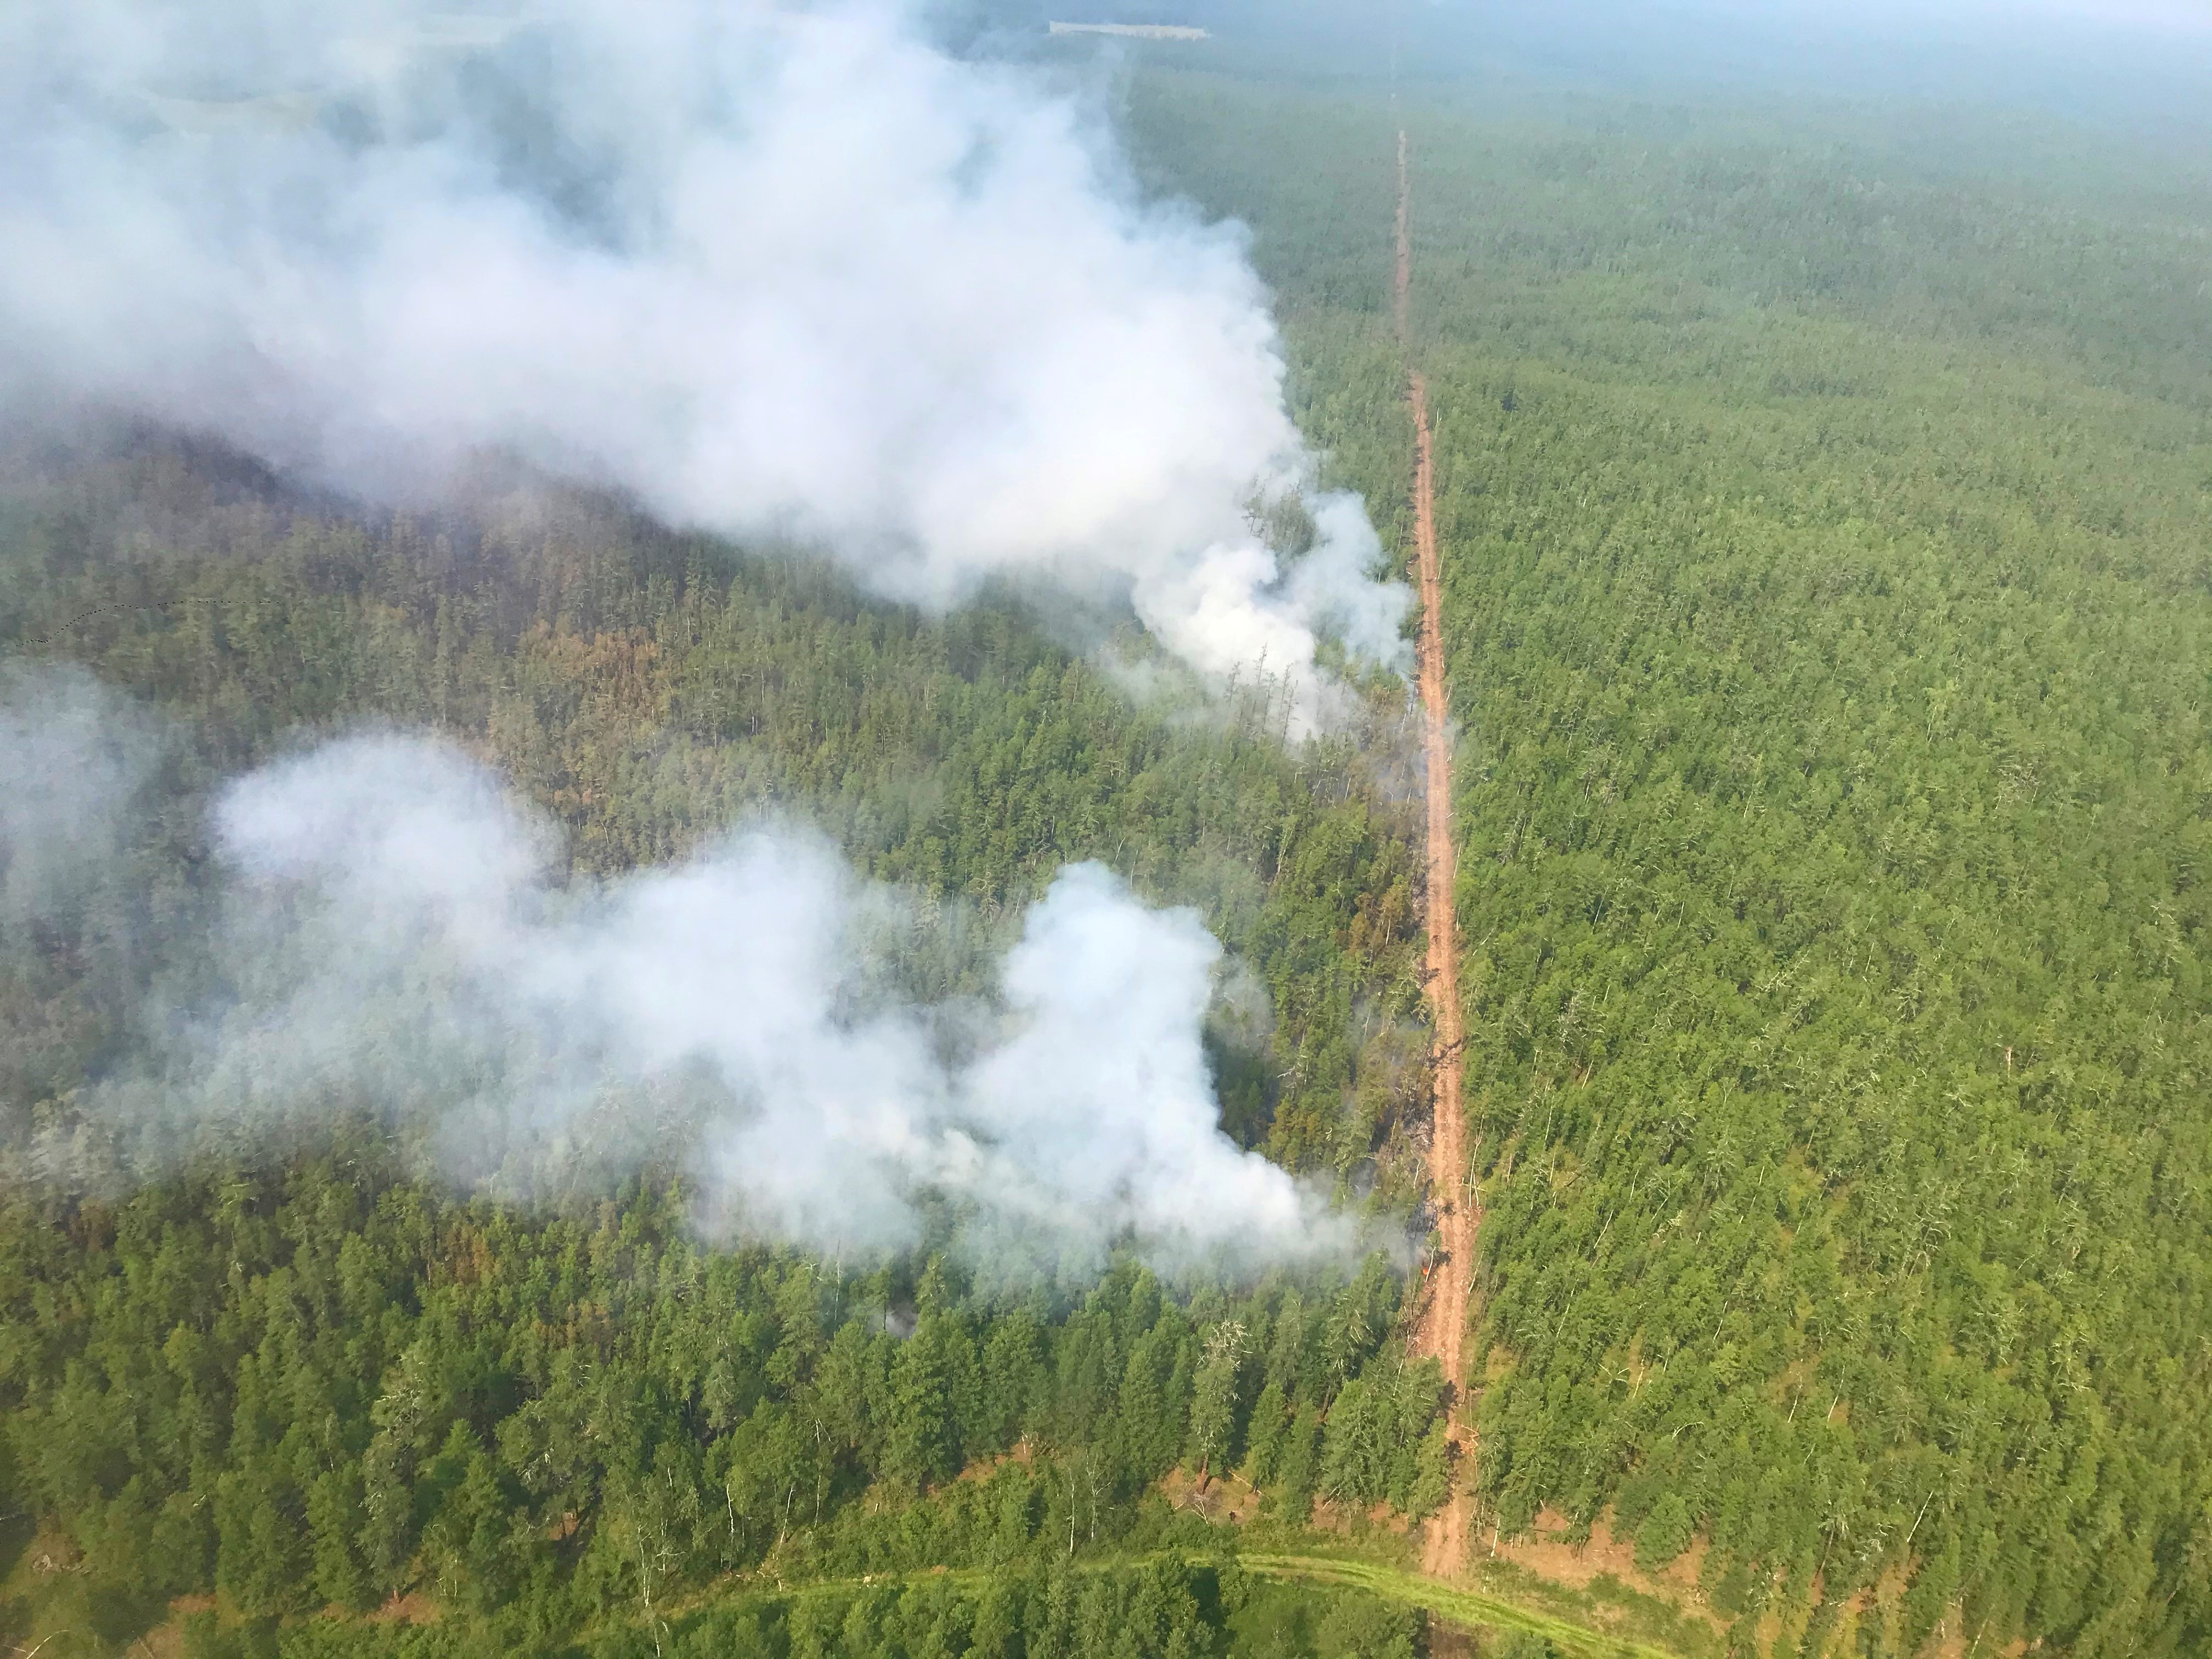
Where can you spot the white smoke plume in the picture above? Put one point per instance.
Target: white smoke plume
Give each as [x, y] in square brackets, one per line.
[388, 940]
[779, 270]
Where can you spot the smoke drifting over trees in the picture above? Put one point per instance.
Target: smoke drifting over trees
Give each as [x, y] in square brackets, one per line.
[777, 271]
[784, 273]
[385, 939]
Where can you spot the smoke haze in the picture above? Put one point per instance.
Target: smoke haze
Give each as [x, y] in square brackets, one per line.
[2127, 70]
[72, 760]
[778, 270]
[386, 941]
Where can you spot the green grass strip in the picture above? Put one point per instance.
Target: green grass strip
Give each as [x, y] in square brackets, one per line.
[1451, 1603]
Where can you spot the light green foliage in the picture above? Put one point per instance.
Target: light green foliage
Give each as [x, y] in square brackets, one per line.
[1826, 530]
[1378, 1451]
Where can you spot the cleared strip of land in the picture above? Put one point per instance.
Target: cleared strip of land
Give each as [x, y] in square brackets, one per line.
[1443, 1309]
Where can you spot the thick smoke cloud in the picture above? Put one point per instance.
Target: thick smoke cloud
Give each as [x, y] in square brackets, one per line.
[778, 270]
[385, 940]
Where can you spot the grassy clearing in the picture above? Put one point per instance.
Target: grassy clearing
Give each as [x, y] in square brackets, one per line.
[1455, 1605]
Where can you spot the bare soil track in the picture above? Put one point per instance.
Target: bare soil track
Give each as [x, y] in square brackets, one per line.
[1443, 1312]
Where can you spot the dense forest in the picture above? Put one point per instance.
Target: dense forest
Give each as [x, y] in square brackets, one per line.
[1827, 516]
[326, 1380]
[1828, 526]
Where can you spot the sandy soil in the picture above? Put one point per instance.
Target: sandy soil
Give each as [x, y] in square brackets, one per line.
[1546, 1552]
[1443, 1311]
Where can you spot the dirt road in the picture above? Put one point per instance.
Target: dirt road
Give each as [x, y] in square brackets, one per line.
[1443, 1310]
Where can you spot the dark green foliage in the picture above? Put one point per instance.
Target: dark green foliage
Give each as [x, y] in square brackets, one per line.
[1287, 1622]
[650, 692]
[1161, 1609]
[333, 1386]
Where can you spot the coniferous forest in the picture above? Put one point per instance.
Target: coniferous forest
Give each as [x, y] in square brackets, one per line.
[1828, 607]
[1826, 504]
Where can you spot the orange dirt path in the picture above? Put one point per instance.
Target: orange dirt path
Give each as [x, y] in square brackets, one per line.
[1442, 1314]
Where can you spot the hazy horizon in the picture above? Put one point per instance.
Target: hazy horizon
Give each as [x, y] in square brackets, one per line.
[2139, 67]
